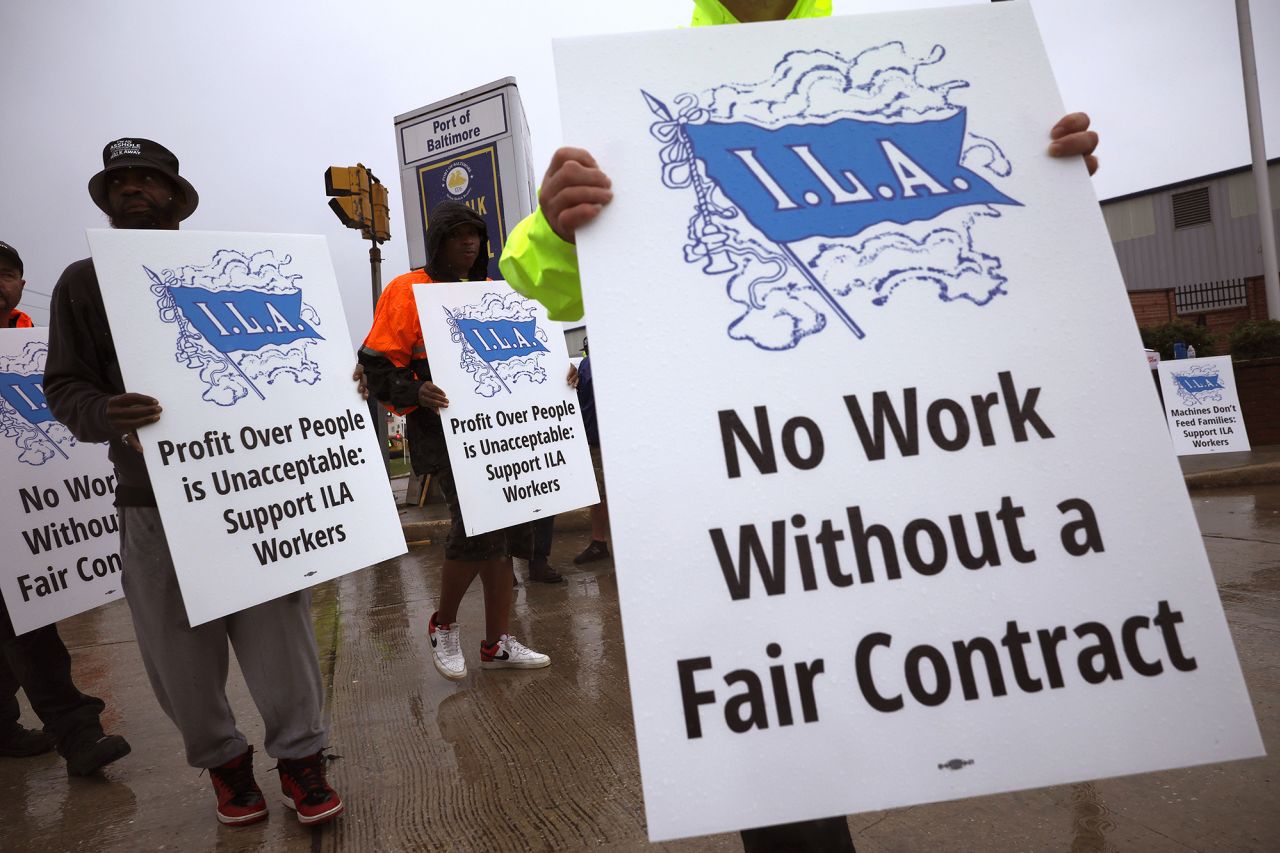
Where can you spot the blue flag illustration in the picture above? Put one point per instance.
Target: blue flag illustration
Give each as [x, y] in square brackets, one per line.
[1198, 383]
[232, 320]
[498, 340]
[837, 179]
[25, 393]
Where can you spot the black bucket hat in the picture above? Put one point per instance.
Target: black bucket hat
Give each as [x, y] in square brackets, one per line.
[7, 251]
[141, 154]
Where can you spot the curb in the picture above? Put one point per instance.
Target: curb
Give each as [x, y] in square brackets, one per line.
[1260, 474]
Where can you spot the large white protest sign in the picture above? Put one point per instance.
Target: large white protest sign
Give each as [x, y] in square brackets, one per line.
[60, 533]
[513, 428]
[879, 540]
[1202, 405]
[265, 463]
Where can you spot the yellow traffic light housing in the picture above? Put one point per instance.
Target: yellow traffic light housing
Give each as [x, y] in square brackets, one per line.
[381, 214]
[359, 200]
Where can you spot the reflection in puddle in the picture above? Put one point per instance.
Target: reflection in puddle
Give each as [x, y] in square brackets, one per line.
[1090, 820]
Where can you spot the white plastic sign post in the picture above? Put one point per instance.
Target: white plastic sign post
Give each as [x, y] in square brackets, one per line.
[514, 431]
[265, 463]
[874, 547]
[1202, 405]
[60, 536]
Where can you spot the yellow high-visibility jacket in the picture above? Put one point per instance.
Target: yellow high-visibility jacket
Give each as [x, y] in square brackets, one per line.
[541, 266]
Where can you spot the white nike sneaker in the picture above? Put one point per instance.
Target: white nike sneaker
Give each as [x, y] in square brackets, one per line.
[510, 653]
[446, 649]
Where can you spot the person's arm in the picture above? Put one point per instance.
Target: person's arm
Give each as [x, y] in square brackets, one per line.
[394, 386]
[394, 342]
[75, 387]
[539, 260]
[540, 265]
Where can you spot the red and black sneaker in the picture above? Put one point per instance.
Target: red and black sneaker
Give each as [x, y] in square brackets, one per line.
[306, 791]
[240, 800]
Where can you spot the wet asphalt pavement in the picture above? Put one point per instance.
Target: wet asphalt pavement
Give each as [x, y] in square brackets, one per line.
[545, 760]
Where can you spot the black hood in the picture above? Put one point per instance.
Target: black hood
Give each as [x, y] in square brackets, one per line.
[446, 216]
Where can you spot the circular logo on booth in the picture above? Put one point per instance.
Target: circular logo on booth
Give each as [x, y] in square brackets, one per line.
[457, 180]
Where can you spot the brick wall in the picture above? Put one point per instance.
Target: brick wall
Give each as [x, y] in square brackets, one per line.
[1257, 382]
[1222, 322]
[1151, 307]
[1154, 307]
[1258, 299]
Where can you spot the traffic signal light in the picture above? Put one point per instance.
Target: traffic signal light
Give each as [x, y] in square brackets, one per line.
[359, 200]
[350, 210]
[381, 213]
[350, 186]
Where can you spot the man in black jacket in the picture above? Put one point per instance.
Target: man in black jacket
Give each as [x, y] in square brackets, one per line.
[139, 187]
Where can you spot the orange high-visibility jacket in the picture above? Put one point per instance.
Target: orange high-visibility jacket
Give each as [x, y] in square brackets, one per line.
[19, 320]
[396, 334]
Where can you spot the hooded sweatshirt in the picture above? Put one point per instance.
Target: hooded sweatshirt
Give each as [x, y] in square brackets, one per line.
[394, 355]
[537, 263]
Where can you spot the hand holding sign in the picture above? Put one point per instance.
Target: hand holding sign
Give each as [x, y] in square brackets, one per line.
[1071, 136]
[129, 411]
[574, 191]
[431, 396]
[126, 412]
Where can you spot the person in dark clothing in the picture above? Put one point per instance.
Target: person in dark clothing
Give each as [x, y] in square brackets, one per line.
[394, 358]
[544, 530]
[38, 661]
[599, 547]
[139, 187]
[11, 285]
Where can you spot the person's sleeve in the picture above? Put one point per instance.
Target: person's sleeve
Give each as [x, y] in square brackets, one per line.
[395, 387]
[70, 367]
[393, 342]
[539, 265]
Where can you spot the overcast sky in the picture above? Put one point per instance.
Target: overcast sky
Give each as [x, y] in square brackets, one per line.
[258, 98]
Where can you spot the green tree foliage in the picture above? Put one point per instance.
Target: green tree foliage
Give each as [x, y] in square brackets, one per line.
[1163, 337]
[1255, 339]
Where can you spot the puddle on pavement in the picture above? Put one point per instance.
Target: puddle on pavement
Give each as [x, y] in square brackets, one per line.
[1090, 820]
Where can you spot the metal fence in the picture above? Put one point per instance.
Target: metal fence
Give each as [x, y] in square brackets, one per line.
[1211, 295]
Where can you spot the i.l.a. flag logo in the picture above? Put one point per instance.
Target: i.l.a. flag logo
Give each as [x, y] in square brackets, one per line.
[855, 176]
[25, 417]
[499, 342]
[1199, 385]
[242, 323]
[838, 179]
[25, 394]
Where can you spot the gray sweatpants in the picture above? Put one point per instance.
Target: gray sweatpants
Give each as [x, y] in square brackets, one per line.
[274, 642]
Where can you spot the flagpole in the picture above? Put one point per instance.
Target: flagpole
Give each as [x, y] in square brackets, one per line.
[247, 380]
[467, 344]
[710, 235]
[714, 264]
[49, 439]
[822, 291]
[156, 280]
